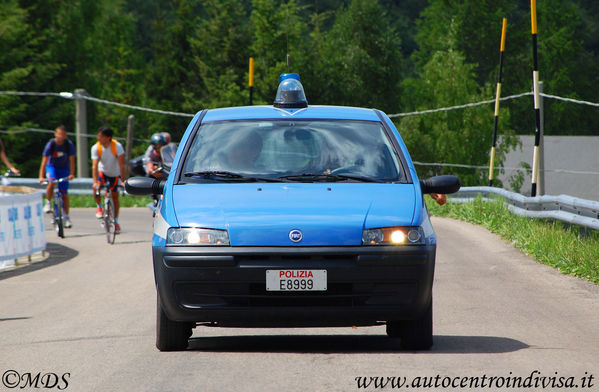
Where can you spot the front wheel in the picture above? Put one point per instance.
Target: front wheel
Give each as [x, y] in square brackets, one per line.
[58, 218]
[170, 335]
[109, 223]
[414, 334]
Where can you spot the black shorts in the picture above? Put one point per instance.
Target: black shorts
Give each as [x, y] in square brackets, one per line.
[111, 181]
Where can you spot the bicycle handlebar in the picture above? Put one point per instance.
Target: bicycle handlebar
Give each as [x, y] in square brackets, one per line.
[10, 173]
[55, 180]
[107, 187]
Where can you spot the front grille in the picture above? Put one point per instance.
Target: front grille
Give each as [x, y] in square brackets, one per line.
[337, 294]
[274, 258]
[255, 295]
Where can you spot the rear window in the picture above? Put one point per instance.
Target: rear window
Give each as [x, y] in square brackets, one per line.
[273, 149]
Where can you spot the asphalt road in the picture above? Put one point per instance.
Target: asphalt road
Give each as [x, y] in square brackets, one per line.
[87, 315]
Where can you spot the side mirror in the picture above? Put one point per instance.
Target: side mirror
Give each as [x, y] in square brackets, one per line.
[144, 186]
[440, 184]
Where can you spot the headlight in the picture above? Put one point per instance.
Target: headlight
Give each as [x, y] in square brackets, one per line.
[196, 237]
[393, 236]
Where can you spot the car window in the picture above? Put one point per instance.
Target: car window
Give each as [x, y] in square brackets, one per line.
[272, 149]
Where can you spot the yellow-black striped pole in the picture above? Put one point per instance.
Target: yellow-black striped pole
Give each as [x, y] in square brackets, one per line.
[535, 86]
[497, 95]
[251, 80]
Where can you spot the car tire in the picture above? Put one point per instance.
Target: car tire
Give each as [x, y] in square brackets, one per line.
[170, 335]
[414, 334]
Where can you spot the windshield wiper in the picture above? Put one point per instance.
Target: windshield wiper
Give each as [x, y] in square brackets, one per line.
[327, 178]
[214, 174]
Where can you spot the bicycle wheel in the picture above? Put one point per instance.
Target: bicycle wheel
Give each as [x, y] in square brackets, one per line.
[58, 220]
[109, 224]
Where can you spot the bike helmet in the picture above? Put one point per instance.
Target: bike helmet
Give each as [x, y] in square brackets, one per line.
[157, 138]
[167, 137]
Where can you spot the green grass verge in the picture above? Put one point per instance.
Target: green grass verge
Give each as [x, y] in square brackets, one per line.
[87, 201]
[571, 249]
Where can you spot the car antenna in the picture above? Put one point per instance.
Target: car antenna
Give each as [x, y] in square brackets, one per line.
[287, 35]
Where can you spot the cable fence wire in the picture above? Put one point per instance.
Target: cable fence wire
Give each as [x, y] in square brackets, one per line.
[122, 105]
[67, 95]
[36, 94]
[570, 100]
[468, 105]
[492, 101]
[49, 131]
[459, 165]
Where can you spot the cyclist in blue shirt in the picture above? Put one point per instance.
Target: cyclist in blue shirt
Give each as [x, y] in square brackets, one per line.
[58, 161]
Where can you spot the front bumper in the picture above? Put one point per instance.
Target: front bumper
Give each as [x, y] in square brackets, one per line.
[227, 285]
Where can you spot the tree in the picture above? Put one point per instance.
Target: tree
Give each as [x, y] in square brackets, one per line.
[220, 53]
[566, 65]
[25, 65]
[186, 55]
[168, 75]
[278, 30]
[117, 64]
[567, 68]
[457, 136]
[361, 60]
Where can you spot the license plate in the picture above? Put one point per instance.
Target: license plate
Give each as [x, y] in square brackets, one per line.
[296, 280]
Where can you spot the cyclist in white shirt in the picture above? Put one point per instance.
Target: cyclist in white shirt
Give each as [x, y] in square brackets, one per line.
[108, 164]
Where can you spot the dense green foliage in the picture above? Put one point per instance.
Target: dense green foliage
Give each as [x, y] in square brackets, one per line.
[395, 55]
[570, 249]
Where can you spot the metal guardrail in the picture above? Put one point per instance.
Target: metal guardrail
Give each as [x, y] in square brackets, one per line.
[565, 208]
[77, 186]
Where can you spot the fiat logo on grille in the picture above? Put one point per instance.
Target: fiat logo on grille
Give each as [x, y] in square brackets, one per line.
[295, 235]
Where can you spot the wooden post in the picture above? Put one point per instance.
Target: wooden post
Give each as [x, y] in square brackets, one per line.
[130, 125]
[81, 132]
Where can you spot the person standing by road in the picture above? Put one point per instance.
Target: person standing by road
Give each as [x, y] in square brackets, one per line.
[58, 161]
[108, 165]
[5, 159]
[440, 198]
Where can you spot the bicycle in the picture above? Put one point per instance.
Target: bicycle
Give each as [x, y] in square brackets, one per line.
[108, 218]
[57, 206]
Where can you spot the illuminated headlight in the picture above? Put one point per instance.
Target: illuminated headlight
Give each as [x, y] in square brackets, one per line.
[393, 236]
[196, 237]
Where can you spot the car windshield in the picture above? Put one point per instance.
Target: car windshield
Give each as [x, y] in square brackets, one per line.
[333, 150]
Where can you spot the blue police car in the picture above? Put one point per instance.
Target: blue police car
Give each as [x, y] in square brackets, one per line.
[293, 215]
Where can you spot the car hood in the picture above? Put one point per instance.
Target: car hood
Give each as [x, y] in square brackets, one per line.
[327, 214]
